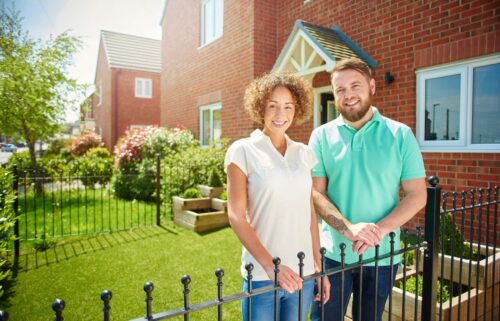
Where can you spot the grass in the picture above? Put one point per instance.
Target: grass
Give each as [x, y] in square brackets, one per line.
[79, 269]
[84, 211]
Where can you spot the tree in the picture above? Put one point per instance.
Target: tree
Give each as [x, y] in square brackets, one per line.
[35, 88]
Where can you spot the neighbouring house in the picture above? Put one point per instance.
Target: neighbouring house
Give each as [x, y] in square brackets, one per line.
[87, 121]
[127, 83]
[436, 66]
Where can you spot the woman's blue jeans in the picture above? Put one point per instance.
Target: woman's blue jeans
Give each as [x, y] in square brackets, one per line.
[288, 303]
[365, 305]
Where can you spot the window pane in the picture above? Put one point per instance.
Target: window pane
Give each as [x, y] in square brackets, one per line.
[138, 89]
[219, 18]
[205, 136]
[147, 84]
[208, 21]
[217, 124]
[486, 105]
[442, 108]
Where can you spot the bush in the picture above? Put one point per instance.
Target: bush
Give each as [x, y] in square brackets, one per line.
[453, 238]
[7, 220]
[100, 152]
[411, 286]
[80, 145]
[57, 145]
[223, 196]
[190, 167]
[93, 170]
[191, 193]
[139, 186]
[128, 150]
[22, 160]
[214, 178]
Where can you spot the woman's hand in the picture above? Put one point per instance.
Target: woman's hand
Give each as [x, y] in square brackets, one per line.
[288, 279]
[326, 290]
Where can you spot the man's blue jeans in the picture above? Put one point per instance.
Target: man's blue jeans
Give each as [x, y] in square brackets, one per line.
[333, 310]
[288, 303]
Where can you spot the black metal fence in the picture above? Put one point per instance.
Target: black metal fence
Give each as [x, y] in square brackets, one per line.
[474, 280]
[68, 205]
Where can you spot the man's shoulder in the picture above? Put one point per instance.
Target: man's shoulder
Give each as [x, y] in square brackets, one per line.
[395, 126]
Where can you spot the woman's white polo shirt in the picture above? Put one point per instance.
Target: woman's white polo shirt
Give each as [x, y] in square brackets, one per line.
[279, 199]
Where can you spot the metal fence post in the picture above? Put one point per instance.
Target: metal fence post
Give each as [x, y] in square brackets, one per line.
[15, 206]
[158, 202]
[432, 213]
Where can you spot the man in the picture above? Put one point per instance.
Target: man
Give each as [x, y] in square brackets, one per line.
[363, 160]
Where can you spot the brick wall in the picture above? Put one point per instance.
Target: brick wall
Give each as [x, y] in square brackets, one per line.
[403, 36]
[131, 110]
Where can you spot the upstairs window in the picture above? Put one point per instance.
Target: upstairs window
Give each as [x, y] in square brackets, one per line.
[212, 17]
[143, 88]
[458, 106]
[210, 123]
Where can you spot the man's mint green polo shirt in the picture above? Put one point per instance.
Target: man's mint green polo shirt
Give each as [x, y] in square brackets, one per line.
[364, 170]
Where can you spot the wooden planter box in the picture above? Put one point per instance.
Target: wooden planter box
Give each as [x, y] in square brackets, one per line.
[218, 204]
[209, 191]
[465, 304]
[197, 214]
[478, 269]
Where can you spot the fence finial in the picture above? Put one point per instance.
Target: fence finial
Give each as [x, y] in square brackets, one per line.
[106, 296]
[4, 316]
[433, 180]
[148, 288]
[58, 306]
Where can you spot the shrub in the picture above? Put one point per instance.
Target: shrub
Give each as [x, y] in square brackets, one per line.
[80, 145]
[410, 260]
[7, 220]
[56, 145]
[223, 196]
[214, 178]
[100, 152]
[128, 150]
[93, 170]
[190, 167]
[191, 193]
[22, 160]
[451, 237]
[411, 286]
[134, 186]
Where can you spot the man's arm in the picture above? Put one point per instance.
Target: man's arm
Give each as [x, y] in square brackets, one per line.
[415, 198]
[367, 233]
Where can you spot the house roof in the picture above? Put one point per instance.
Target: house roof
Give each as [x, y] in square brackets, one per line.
[311, 48]
[131, 52]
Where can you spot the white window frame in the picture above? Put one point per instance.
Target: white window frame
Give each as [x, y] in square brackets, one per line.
[207, 38]
[99, 94]
[212, 108]
[465, 70]
[141, 83]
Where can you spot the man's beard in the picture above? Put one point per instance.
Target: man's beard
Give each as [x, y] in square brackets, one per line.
[354, 116]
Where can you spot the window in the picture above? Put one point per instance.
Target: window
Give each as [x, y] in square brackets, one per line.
[143, 88]
[212, 17]
[99, 94]
[458, 106]
[210, 123]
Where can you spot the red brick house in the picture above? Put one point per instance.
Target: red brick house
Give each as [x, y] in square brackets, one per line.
[437, 69]
[127, 83]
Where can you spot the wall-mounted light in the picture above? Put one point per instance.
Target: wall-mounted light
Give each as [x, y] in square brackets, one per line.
[388, 78]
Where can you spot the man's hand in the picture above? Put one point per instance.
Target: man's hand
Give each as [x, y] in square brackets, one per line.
[367, 233]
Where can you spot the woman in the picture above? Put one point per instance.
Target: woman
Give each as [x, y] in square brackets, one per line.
[269, 196]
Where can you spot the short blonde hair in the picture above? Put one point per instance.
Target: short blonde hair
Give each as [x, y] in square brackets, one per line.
[259, 90]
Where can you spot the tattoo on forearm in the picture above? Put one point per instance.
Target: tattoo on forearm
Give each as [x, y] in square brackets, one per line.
[329, 213]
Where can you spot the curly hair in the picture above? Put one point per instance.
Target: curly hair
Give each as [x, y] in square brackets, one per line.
[259, 90]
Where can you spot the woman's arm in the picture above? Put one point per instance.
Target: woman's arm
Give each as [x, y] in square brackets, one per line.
[237, 207]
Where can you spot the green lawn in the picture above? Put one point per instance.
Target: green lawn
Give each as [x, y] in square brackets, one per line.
[79, 269]
[84, 211]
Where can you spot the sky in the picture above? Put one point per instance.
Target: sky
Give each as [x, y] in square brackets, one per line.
[85, 19]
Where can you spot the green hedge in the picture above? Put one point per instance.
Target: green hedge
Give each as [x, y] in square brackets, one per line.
[7, 220]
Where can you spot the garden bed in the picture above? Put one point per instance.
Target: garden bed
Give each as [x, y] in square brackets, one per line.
[198, 214]
[458, 300]
[478, 268]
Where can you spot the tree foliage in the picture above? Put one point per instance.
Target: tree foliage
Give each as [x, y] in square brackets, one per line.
[35, 88]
